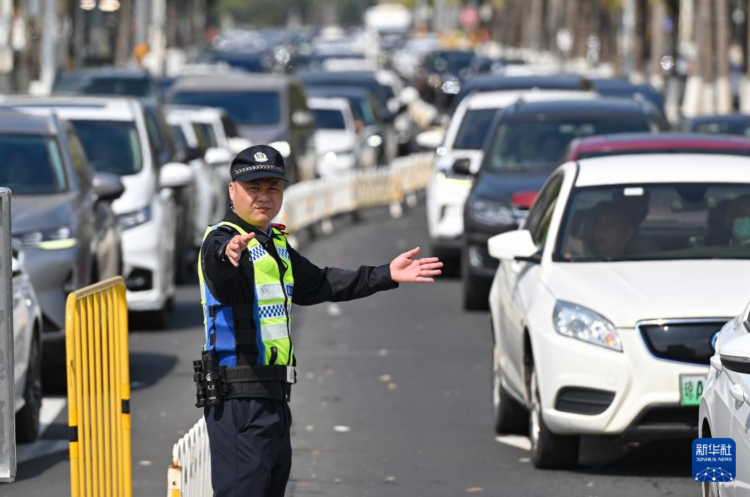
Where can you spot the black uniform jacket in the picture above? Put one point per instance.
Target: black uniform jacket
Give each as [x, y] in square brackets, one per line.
[312, 285]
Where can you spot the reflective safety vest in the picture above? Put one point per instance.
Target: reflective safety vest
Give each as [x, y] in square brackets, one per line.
[256, 334]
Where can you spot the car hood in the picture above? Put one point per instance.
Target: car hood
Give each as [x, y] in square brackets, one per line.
[333, 141]
[628, 292]
[262, 134]
[41, 212]
[501, 187]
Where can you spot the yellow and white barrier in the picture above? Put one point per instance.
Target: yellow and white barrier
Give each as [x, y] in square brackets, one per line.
[305, 204]
[96, 336]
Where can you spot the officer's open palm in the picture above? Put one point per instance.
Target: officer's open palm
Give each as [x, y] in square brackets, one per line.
[406, 269]
[236, 246]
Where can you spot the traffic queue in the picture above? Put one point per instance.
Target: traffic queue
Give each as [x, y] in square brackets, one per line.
[572, 212]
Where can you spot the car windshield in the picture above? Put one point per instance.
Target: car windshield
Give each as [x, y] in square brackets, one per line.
[179, 137]
[671, 150]
[656, 222]
[131, 87]
[329, 119]
[741, 128]
[252, 108]
[31, 165]
[111, 146]
[364, 110]
[537, 146]
[474, 128]
[450, 62]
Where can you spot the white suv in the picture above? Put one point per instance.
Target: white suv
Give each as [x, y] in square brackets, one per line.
[460, 155]
[113, 133]
[607, 300]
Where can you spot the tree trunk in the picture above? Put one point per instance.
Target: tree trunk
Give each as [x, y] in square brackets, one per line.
[638, 42]
[703, 38]
[746, 90]
[658, 12]
[723, 89]
[123, 50]
[553, 22]
[535, 31]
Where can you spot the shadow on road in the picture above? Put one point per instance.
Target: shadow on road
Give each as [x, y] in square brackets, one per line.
[147, 368]
[39, 466]
[662, 458]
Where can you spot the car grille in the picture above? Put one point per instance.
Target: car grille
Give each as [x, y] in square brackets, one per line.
[689, 341]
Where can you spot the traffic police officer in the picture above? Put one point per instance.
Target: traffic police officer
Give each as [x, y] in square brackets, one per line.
[250, 277]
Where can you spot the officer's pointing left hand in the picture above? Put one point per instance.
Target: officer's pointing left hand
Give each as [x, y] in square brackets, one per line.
[406, 269]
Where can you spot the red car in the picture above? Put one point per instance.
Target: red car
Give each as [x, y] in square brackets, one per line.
[664, 143]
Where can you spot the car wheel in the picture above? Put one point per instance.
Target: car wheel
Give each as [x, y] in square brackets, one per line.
[509, 417]
[548, 451]
[27, 419]
[474, 300]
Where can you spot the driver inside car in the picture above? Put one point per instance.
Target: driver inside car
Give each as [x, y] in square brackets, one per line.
[605, 233]
[738, 220]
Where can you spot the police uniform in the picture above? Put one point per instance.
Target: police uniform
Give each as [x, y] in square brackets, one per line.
[247, 312]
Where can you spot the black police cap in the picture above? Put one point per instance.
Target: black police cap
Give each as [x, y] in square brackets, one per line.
[256, 162]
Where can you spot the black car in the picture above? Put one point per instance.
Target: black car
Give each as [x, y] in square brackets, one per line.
[727, 124]
[524, 145]
[108, 81]
[497, 82]
[620, 88]
[439, 77]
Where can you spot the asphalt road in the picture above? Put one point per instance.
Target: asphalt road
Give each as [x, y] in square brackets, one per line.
[393, 398]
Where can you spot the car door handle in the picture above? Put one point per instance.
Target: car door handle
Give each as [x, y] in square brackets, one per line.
[716, 363]
[737, 392]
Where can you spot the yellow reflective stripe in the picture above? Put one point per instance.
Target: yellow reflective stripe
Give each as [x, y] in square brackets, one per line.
[56, 244]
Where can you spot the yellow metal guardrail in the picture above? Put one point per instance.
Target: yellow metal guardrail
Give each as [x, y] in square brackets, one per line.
[99, 390]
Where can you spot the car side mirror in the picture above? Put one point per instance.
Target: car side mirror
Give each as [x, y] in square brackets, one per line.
[303, 119]
[462, 166]
[237, 144]
[107, 187]
[175, 175]
[431, 139]
[218, 156]
[515, 245]
[735, 354]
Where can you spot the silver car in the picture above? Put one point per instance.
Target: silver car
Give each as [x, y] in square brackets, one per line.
[61, 215]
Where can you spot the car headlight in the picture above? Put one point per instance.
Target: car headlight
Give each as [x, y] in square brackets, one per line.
[375, 141]
[282, 147]
[135, 218]
[491, 213]
[575, 321]
[54, 239]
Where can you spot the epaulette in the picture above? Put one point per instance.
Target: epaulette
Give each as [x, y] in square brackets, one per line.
[280, 227]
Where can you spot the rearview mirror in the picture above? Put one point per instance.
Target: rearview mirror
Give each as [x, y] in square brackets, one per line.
[107, 187]
[735, 354]
[218, 156]
[303, 119]
[431, 139]
[175, 175]
[462, 166]
[513, 245]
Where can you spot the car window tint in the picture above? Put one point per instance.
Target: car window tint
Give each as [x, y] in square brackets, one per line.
[208, 132]
[540, 214]
[179, 137]
[80, 161]
[329, 119]
[31, 165]
[252, 108]
[474, 128]
[154, 136]
[229, 128]
[111, 146]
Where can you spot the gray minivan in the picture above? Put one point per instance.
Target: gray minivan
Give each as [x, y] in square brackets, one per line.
[268, 109]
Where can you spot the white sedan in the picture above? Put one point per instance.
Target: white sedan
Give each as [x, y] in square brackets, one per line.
[460, 155]
[607, 299]
[725, 406]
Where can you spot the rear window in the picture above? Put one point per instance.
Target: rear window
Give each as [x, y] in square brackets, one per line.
[131, 87]
[329, 119]
[741, 128]
[31, 165]
[251, 108]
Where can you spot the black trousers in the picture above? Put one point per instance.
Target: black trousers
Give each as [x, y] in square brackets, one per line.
[251, 452]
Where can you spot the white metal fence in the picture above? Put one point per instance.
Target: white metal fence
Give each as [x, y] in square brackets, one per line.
[306, 204]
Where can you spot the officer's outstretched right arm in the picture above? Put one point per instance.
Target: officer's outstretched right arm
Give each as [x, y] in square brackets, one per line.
[217, 268]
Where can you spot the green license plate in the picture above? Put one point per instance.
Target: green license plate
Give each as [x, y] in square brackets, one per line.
[691, 389]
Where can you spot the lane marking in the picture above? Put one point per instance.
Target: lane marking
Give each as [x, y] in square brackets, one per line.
[516, 441]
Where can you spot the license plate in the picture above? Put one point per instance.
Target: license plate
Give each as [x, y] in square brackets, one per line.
[691, 389]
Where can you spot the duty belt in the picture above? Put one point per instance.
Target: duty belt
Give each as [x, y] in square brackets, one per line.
[247, 374]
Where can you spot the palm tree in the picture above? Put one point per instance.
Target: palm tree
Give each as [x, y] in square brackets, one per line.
[723, 89]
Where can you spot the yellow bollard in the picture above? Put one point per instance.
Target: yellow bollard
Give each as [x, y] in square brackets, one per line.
[96, 344]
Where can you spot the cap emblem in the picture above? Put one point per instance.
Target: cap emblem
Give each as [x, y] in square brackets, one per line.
[260, 157]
